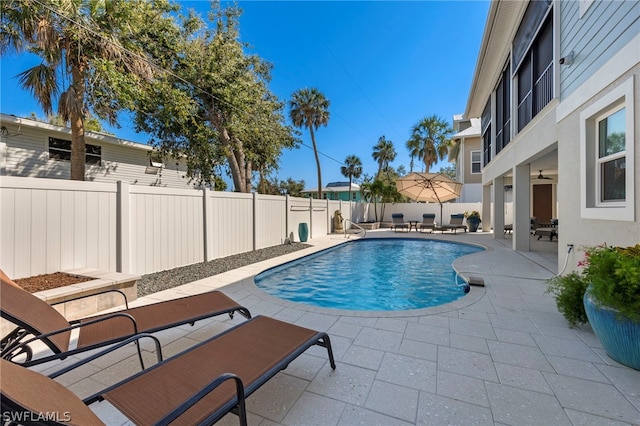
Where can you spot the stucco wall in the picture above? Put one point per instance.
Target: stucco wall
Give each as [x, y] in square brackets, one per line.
[575, 229]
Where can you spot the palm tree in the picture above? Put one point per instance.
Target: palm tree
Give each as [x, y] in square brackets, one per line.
[383, 153]
[352, 169]
[82, 49]
[309, 108]
[415, 150]
[430, 140]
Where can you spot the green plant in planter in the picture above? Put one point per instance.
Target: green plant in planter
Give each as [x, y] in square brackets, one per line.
[472, 216]
[473, 220]
[568, 290]
[614, 275]
[612, 300]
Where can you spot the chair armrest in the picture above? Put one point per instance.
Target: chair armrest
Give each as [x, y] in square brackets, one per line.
[10, 349]
[109, 350]
[242, 411]
[124, 296]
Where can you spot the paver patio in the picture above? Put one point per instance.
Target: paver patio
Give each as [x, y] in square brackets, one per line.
[502, 355]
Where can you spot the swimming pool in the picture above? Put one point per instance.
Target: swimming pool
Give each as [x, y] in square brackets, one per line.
[372, 274]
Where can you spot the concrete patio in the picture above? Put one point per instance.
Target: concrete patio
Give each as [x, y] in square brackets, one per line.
[502, 355]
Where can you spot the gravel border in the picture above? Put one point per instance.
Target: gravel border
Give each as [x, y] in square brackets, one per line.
[163, 280]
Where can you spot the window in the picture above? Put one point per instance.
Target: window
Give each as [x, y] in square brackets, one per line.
[60, 149]
[611, 157]
[535, 75]
[485, 125]
[476, 161]
[607, 156]
[503, 110]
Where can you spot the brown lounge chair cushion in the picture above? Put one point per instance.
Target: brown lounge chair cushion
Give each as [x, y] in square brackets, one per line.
[42, 396]
[251, 351]
[28, 311]
[255, 351]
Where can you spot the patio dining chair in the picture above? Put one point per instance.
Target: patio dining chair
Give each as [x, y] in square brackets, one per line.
[37, 321]
[198, 386]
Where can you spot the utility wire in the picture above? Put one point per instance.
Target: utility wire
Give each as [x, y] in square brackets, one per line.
[355, 82]
[158, 68]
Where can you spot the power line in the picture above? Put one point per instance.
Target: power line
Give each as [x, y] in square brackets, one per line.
[158, 68]
[359, 87]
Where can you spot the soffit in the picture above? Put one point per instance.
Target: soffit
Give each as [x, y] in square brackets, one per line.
[502, 24]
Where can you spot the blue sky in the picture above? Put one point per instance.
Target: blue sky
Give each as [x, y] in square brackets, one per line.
[383, 66]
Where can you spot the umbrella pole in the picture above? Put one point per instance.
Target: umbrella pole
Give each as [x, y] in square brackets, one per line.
[441, 218]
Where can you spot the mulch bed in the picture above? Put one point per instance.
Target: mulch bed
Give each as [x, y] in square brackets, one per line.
[49, 281]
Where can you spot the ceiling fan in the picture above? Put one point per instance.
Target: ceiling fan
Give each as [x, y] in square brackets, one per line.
[543, 177]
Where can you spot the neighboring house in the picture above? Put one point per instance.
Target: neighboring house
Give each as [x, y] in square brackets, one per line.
[468, 162]
[336, 191]
[35, 149]
[557, 88]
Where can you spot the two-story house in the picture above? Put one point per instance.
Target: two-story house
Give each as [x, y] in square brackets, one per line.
[467, 157]
[556, 88]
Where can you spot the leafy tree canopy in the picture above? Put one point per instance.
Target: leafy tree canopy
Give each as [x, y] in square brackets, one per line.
[214, 107]
[94, 56]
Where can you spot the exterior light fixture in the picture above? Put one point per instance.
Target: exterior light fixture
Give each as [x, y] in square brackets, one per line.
[568, 60]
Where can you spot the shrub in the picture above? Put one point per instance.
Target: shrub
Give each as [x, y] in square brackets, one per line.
[568, 290]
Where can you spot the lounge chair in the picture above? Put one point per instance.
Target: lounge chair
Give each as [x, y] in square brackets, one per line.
[428, 222]
[39, 321]
[455, 223]
[197, 386]
[399, 223]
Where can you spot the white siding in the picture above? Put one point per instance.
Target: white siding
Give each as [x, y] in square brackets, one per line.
[27, 155]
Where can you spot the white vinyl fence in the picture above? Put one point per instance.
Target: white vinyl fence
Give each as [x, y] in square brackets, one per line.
[50, 225]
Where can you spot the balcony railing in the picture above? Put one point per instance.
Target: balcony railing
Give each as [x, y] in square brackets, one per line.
[537, 98]
[543, 89]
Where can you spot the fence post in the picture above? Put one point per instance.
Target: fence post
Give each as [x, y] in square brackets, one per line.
[254, 220]
[122, 227]
[206, 228]
[286, 217]
[329, 216]
[310, 217]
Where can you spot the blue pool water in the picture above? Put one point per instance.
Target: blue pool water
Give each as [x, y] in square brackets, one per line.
[372, 274]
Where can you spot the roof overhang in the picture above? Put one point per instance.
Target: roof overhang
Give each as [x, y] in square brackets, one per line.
[94, 136]
[502, 23]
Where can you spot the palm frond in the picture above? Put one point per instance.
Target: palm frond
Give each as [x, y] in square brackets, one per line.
[41, 81]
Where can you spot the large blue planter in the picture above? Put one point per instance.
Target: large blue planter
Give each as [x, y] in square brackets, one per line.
[620, 336]
[473, 223]
[303, 232]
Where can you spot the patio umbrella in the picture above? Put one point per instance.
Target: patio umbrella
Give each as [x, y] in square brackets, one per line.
[432, 187]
